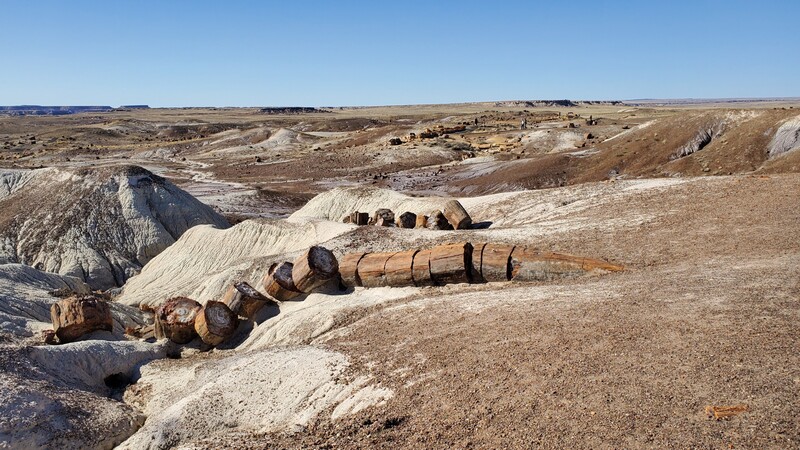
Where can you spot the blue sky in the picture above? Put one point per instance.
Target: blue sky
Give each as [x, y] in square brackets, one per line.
[315, 53]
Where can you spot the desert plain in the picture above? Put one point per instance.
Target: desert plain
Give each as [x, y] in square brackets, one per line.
[698, 201]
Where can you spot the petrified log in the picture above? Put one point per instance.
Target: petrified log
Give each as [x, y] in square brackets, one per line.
[348, 269]
[437, 221]
[457, 215]
[384, 222]
[278, 283]
[314, 268]
[73, 317]
[372, 269]
[450, 263]
[407, 220]
[142, 332]
[174, 319]
[399, 269]
[384, 213]
[215, 323]
[422, 221]
[347, 219]
[421, 270]
[496, 262]
[362, 218]
[244, 299]
[529, 264]
[475, 267]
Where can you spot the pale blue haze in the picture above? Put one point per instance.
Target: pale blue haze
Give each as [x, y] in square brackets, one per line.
[239, 53]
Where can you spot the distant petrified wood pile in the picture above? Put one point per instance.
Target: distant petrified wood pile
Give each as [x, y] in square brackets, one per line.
[452, 217]
[464, 263]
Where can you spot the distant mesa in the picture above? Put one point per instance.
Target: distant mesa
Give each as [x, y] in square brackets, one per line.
[291, 110]
[36, 110]
[554, 103]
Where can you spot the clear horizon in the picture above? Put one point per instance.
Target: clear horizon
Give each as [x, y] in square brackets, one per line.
[248, 54]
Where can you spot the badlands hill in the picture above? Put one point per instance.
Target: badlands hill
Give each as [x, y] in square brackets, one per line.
[100, 226]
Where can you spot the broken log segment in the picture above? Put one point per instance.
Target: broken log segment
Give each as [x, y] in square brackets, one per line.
[215, 323]
[372, 269]
[278, 283]
[384, 213]
[457, 215]
[75, 316]
[422, 221]
[348, 269]
[496, 262]
[174, 319]
[399, 269]
[314, 268]
[361, 218]
[407, 220]
[245, 300]
[529, 264]
[450, 263]
[421, 268]
[437, 221]
[475, 267]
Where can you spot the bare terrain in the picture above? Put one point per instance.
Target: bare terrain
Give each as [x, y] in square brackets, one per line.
[699, 201]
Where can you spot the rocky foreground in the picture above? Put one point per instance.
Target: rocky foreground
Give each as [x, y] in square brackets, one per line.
[704, 314]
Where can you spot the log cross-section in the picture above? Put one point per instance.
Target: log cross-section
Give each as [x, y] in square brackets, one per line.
[174, 319]
[278, 283]
[244, 299]
[215, 323]
[450, 263]
[407, 220]
[314, 268]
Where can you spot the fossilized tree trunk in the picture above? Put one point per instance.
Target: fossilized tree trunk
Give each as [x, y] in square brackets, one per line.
[314, 268]
[174, 319]
[457, 215]
[372, 269]
[496, 262]
[399, 269]
[420, 268]
[73, 317]
[450, 263]
[348, 269]
[279, 284]
[215, 323]
[529, 264]
[244, 299]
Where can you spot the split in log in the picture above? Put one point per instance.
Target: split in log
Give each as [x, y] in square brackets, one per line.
[437, 221]
[215, 323]
[314, 268]
[399, 269]
[529, 264]
[372, 269]
[386, 214]
[450, 263]
[278, 283]
[422, 221]
[407, 220]
[73, 317]
[496, 262]
[175, 319]
[348, 269]
[475, 267]
[457, 215]
[421, 268]
[244, 299]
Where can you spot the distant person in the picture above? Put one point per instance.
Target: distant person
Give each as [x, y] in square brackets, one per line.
[523, 124]
[476, 121]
